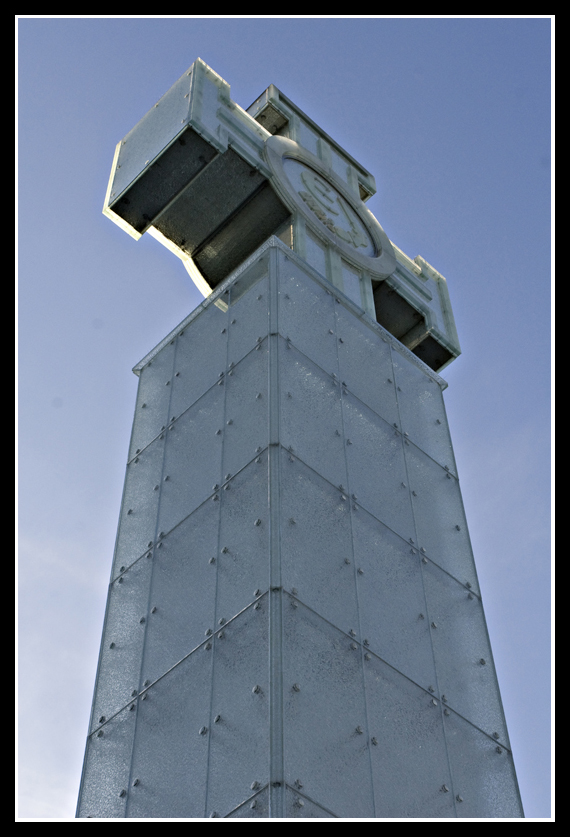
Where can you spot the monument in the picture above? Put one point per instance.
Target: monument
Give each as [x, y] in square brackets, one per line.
[294, 626]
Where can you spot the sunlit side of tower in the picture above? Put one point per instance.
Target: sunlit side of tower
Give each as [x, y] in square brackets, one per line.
[294, 626]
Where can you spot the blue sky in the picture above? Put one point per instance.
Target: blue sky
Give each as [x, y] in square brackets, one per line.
[452, 117]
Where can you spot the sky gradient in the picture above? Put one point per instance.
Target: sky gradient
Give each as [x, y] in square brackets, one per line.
[452, 117]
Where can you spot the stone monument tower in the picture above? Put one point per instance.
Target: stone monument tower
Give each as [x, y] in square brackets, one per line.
[294, 627]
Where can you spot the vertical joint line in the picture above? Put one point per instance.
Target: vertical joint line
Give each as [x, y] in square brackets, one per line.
[276, 776]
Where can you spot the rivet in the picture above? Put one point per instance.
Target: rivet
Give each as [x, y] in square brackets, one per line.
[155, 488]
[296, 687]
[298, 784]
[166, 478]
[203, 730]
[468, 584]
[258, 522]
[177, 375]
[352, 632]
[100, 734]
[134, 693]
[395, 425]
[254, 785]
[225, 549]
[498, 750]
[291, 520]
[257, 593]
[222, 621]
[142, 620]
[260, 296]
[446, 712]
[258, 396]
[347, 560]
[256, 690]
[131, 707]
[458, 527]
[340, 340]
[423, 617]
[212, 560]
[433, 625]
[366, 643]
[233, 322]
[153, 610]
[359, 730]
[299, 803]
[431, 689]
[445, 789]
[122, 793]
[469, 596]
[120, 581]
[411, 540]
[221, 635]
[434, 702]
[360, 571]
[230, 421]
[459, 798]
[253, 804]
[424, 560]
[144, 697]
[414, 494]
[331, 331]
[217, 719]
[208, 646]
[112, 645]
[448, 476]
[354, 646]
[399, 389]
[437, 421]
[482, 661]
[167, 384]
[389, 380]
[374, 741]
[348, 442]
[144, 405]
[367, 656]
[495, 734]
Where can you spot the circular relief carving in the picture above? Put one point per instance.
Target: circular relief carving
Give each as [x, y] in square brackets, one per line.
[305, 184]
[329, 206]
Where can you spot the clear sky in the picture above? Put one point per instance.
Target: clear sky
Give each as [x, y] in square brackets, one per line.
[452, 117]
